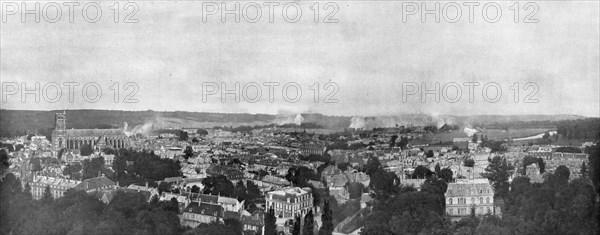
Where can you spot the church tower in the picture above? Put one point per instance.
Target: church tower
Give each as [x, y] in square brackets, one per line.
[61, 121]
[60, 131]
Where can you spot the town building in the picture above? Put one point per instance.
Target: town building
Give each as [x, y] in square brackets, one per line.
[470, 196]
[197, 213]
[312, 149]
[76, 138]
[95, 184]
[289, 202]
[58, 186]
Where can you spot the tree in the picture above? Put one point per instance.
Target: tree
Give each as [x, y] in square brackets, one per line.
[355, 190]
[326, 219]
[189, 152]
[47, 196]
[201, 132]
[343, 166]
[4, 162]
[93, 168]
[164, 187]
[173, 205]
[214, 227]
[561, 174]
[393, 140]
[270, 222]
[218, 185]
[498, 172]
[234, 225]
[446, 175]
[183, 135]
[541, 165]
[429, 154]
[594, 167]
[583, 171]
[300, 175]
[436, 186]
[421, 172]
[372, 166]
[297, 225]
[437, 170]
[469, 162]
[309, 226]
[474, 138]
[253, 191]
[27, 190]
[73, 171]
[195, 189]
[86, 150]
[239, 191]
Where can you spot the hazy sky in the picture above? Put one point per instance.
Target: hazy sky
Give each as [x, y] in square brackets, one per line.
[370, 53]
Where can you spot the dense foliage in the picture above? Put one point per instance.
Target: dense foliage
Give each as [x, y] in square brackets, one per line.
[133, 167]
[79, 213]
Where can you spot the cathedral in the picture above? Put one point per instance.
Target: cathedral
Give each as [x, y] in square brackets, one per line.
[63, 138]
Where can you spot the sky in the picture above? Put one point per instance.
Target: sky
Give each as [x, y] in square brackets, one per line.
[373, 59]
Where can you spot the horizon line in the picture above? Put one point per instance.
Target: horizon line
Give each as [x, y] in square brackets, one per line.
[293, 113]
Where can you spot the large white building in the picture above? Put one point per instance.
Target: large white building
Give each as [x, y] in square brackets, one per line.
[58, 186]
[289, 202]
[463, 197]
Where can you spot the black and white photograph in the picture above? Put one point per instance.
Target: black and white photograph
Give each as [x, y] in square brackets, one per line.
[299, 117]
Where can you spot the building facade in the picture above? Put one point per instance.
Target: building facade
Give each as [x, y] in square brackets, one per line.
[289, 202]
[58, 186]
[201, 213]
[466, 197]
[63, 138]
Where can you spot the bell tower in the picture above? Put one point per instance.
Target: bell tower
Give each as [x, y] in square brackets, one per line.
[59, 134]
[61, 121]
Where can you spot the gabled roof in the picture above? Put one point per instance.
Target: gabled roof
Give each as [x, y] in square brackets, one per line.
[205, 209]
[95, 132]
[147, 194]
[468, 188]
[206, 198]
[338, 180]
[231, 215]
[275, 180]
[256, 219]
[227, 200]
[95, 183]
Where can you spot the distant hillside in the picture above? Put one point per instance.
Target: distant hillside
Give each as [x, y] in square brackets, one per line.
[517, 118]
[20, 122]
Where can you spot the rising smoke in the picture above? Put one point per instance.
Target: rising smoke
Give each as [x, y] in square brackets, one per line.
[297, 119]
[143, 129]
[368, 123]
[469, 131]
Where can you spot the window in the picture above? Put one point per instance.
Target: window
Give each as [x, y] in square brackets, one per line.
[480, 200]
[487, 200]
[450, 201]
[472, 200]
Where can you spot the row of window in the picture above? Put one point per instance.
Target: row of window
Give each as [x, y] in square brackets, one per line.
[463, 200]
[465, 211]
[39, 192]
[288, 207]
